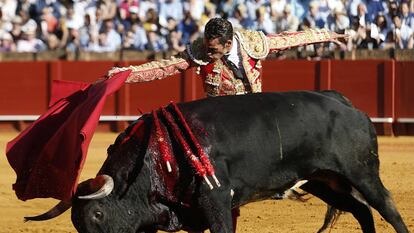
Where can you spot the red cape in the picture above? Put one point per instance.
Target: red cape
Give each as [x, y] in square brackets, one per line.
[49, 155]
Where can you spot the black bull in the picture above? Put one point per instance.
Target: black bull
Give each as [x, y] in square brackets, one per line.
[260, 146]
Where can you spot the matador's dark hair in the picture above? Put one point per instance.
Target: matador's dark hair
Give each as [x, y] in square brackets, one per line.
[218, 28]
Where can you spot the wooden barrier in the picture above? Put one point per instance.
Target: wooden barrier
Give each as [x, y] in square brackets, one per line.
[133, 55]
[404, 98]
[381, 88]
[285, 75]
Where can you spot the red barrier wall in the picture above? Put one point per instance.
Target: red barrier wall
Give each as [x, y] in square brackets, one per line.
[382, 88]
[404, 98]
[24, 87]
[363, 82]
[290, 75]
[405, 88]
[83, 72]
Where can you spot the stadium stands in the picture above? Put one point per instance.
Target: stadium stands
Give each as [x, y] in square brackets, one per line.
[167, 25]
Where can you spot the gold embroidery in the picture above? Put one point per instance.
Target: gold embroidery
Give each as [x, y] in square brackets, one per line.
[252, 73]
[213, 80]
[256, 82]
[153, 70]
[239, 86]
[257, 87]
[287, 40]
[254, 43]
[211, 91]
[222, 81]
[236, 86]
[212, 84]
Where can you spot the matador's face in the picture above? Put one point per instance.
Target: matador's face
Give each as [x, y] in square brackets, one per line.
[215, 50]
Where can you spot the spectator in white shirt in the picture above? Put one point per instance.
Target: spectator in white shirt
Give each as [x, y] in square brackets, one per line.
[170, 8]
[72, 19]
[6, 43]
[380, 29]
[313, 19]
[110, 39]
[277, 8]
[5, 24]
[362, 15]
[338, 21]
[288, 22]
[8, 9]
[253, 5]
[263, 22]
[195, 7]
[403, 34]
[140, 37]
[108, 9]
[28, 24]
[407, 17]
[144, 6]
[352, 7]
[29, 43]
[85, 32]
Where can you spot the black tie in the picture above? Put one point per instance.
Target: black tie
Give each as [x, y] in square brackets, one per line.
[236, 71]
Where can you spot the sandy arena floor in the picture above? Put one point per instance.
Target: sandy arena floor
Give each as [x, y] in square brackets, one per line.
[397, 172]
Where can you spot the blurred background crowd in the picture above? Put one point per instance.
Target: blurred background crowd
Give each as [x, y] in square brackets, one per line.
[168, 25]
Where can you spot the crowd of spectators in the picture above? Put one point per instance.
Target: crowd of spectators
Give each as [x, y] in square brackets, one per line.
[160, 25]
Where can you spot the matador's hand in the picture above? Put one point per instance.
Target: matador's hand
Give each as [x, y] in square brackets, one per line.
[114, 71]
[339, 39]
[111, 72]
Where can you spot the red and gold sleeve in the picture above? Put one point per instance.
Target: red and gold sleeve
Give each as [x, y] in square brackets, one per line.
[154, 70]
[286, 40]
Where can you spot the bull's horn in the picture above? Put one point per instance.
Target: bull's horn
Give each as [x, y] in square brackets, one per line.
[59, 209]
[104, 183]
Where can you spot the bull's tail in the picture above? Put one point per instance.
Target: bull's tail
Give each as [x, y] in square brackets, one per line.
[331, 217]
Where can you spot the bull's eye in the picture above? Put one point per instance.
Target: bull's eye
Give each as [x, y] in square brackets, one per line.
[98, 215]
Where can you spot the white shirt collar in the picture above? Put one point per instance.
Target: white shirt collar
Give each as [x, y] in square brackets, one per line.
[233, 55]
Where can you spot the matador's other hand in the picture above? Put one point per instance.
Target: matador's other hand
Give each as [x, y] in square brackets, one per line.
[339, 39]
[114, 71]
[111, 72]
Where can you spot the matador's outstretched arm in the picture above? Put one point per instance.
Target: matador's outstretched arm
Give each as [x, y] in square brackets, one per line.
[154, 70]
[287, 40]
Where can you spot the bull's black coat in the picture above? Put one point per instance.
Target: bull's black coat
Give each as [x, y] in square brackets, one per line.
[260, 145]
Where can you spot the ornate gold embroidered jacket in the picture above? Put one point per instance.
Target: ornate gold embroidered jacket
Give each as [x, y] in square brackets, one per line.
[218, 78]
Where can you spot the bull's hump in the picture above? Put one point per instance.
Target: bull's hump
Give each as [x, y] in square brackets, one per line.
[251, 104]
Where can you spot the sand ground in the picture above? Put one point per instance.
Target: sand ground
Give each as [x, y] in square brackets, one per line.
[397, 173]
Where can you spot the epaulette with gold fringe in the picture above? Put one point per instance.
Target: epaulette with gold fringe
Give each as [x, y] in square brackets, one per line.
[254, 43]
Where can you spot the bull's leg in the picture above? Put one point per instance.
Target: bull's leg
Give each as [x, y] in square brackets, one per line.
[379, 198]
[343, 201]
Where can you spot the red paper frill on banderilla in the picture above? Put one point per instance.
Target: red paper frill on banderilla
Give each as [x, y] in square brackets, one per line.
[184, 136]
[49, 155]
